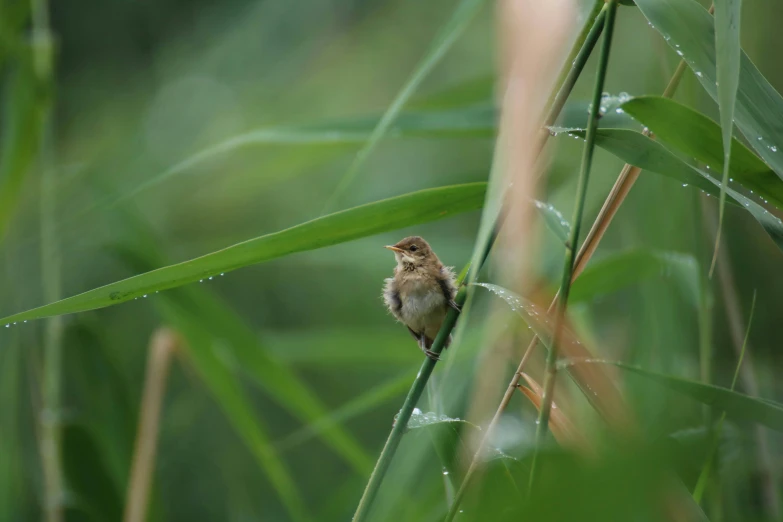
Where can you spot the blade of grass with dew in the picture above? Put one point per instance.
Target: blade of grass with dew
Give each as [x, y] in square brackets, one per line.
[554, 220]
[701, 483]
[694, 135]
[690, 30]
[570, 251]
[450, 442]
[366, 220]
[237, 408]
[463, 14]
[727, 50]
[640, 151]
[623, 269]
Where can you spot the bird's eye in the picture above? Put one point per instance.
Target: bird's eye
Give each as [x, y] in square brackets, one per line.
[414, 248]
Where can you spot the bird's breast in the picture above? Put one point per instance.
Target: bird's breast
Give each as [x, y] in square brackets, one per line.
[423, 304]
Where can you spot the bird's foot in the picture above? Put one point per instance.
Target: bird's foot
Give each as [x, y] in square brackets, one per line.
[432, 355]
[453, 304]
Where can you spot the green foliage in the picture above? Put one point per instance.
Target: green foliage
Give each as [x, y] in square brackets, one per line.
[373, 218]
[174, 134]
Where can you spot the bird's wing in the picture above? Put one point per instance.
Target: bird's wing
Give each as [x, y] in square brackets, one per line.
[391, 296]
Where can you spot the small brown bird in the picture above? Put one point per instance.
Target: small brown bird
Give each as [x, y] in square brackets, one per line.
[420, 292]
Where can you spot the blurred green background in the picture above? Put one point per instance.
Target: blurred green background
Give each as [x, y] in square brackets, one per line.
[139, 87]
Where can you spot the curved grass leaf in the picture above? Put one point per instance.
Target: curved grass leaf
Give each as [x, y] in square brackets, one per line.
[640, 151]
[727, 48]
[736, 405]
[448, 34]
[451, 441]
[470, 122]
[554, 220]
[689, 29]
[242, 351]
[623, 269]
[201, 349]
[695, 135]
[366, 220]
[366, 401]
[597, 385]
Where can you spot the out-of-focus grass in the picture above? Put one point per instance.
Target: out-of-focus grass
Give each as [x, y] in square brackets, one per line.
[141, 88]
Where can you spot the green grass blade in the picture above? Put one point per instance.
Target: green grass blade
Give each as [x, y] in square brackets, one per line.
[689, 29]
[727, 49]
[366, 220]
[368, 400]
[477, 122]
[623, 269]
[247, 356]
[554, 220]
[736, 405]
[641, 151]
[695, 135]
[701, 484]
[459, 20]
[201, 352]
[23, 124]
[638, 150]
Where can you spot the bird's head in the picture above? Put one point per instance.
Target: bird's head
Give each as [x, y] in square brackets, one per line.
[413, 251]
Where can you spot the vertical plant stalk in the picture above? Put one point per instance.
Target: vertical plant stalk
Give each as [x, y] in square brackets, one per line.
[770, 483]
[586, 41]
[620, 190]
[163, 346]
[570, 253]
[701, 484]
[401, 421]
[393, 441]
[50, 415]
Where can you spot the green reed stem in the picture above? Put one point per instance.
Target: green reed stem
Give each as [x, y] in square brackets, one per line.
[570, 253]
[401, 422]
[701, 483]
[50, 440]
[583, 47]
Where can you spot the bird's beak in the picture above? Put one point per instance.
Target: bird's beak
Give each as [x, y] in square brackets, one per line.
[395, 249]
